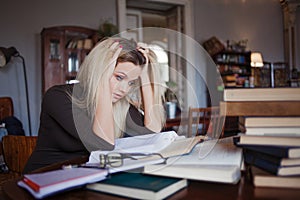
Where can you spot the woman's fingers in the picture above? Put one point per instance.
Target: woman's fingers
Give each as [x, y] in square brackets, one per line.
[114, 45]
[115, 49]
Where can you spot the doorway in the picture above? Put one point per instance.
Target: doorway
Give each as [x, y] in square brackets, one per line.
[162, 14]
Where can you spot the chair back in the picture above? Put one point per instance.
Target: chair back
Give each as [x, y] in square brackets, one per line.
[205, 121]
[6, 107]
[16, 151]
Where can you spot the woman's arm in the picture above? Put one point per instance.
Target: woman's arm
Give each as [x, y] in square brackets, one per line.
[103, 124]
[57, 109]
[151, 111]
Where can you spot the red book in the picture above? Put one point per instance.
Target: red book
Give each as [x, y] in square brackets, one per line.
[47, 183]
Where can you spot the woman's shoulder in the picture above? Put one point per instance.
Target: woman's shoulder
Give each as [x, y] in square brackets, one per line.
[60, 88]
[59, 91]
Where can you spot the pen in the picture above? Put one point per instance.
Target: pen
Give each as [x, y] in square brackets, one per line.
[85, 165]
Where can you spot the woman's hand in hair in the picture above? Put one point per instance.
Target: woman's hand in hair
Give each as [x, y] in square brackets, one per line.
[151, 117]
[145, 71]
[115, 50]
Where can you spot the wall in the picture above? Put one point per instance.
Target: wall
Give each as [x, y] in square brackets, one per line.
[21, 23]
[259, 21]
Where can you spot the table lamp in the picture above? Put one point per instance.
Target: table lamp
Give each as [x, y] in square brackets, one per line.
[256, 59]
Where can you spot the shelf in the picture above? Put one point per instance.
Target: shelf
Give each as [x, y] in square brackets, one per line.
[233, 63]
[234, 67]
[233, 73]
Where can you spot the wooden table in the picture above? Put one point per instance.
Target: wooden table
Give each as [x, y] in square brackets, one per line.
[195, 190]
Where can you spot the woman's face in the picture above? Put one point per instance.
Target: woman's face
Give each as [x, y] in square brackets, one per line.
[125, 76]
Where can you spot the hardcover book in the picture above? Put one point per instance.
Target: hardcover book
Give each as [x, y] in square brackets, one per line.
[268, 140]
[270, 165]
[262, 178]
[222, 163]
[262, 94]
[139, 186]
[274, 131]
[273, 160]
[277, 151]
[271, 121]
[45, 184]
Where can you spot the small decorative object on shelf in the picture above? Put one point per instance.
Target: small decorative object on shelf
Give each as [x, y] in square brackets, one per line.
[295, 78]
[213, 46]
[281, 74]
[264, 75]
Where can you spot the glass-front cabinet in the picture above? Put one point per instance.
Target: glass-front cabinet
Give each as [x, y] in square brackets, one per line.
[63, 50]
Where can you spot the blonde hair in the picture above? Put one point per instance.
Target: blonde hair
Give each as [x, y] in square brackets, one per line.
[94, 72]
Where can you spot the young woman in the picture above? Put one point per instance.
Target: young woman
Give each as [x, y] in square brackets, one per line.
[119, 94]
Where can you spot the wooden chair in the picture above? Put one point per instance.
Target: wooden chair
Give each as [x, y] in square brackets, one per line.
[16, 151]
[205, 121]
[6, 107]
[6, 110]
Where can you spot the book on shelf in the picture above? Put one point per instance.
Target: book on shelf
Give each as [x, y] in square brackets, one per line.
[44, 184]
[262, 94]
[139, 186]
[222, 163]
[262, 178]
[273, 165]
[167, 144]
[270, 121]
[278, 151]
[268, 140]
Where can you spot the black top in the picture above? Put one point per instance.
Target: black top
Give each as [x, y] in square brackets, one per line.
[58, 138]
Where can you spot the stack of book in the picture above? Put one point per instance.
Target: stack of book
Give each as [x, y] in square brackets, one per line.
[271, 139]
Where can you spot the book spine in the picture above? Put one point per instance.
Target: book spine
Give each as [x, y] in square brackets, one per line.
[259, 155]
[261, 163]
[31, 184]
[273, 151]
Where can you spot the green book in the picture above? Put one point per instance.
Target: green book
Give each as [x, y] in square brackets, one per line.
[139, 186]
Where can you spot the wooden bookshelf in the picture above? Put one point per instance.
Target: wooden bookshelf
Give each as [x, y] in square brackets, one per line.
[260, 108]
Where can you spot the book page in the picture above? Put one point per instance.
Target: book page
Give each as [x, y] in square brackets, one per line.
[224, 152]
[181, 146]
[146, 143]
[151, 143]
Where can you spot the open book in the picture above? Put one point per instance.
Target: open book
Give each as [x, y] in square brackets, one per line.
[222, 164]
[167, 144]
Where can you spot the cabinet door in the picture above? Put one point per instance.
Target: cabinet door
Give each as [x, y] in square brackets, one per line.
[53, 70]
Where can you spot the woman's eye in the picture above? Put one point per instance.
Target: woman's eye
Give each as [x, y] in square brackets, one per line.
[119, 78]
[131, 83]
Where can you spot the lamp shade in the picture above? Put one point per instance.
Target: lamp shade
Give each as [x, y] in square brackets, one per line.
[256, 59]
[6, 54]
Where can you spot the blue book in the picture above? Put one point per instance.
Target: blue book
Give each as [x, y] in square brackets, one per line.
[139, 186]
[274, 150]
[278, 151]
[272, 164]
